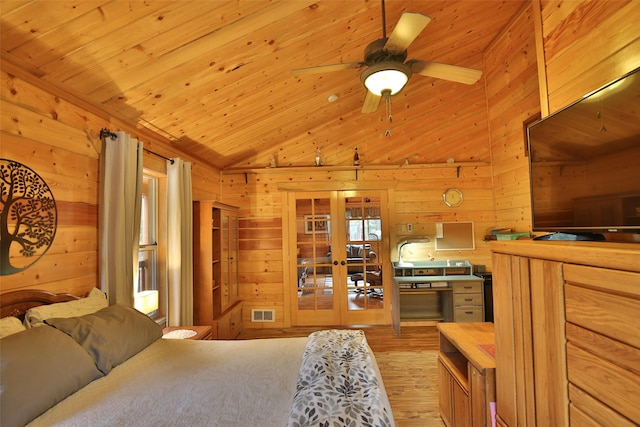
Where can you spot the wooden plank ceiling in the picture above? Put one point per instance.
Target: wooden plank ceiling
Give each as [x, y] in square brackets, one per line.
[213, 76]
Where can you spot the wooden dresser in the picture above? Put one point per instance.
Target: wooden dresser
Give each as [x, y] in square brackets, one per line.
[567, 330]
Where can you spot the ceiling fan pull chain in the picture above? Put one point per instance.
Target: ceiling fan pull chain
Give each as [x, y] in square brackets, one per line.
[387, 101]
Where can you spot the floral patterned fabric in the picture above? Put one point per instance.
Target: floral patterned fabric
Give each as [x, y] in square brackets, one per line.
[337, 384]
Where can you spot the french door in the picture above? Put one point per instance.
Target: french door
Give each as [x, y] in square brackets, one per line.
[340, 266]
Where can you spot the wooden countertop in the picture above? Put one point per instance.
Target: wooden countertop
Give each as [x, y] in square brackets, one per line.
[466, 338]
[619, 256]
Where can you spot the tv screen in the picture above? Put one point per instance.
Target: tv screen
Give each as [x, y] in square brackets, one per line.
[584, 162]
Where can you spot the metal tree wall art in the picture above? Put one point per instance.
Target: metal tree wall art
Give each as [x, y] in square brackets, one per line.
[28, 217]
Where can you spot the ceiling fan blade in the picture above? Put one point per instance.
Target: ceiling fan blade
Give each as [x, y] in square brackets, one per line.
[371, 102]
[453, 73]
[326, 68]
[407, 29]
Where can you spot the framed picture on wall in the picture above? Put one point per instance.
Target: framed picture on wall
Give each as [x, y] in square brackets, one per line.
[316, 224]
[455, 236]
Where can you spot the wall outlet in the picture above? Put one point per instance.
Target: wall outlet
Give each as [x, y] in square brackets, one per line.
[409, 228]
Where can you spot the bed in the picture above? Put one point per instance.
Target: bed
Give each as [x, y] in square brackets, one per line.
[110, 366]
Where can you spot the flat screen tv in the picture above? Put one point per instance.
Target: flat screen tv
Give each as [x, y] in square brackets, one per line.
[584, 162]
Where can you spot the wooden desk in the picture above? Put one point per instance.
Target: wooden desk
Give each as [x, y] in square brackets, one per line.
[466, 373]
[202, 332]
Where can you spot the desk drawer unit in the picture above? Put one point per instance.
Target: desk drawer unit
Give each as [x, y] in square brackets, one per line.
[468, 314]
[467, 287]
[468, 302]
[467, 299]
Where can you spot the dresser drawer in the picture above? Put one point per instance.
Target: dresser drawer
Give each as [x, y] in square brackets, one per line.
[467, 287]
[613, 385]
[604, 301]
[468, 314]
[585, 410]
[460, 299]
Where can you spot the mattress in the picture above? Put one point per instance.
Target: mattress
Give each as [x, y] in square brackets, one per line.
[190, 383]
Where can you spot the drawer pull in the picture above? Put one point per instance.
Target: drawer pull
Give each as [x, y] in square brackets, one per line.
[468, 312]
[468, 299]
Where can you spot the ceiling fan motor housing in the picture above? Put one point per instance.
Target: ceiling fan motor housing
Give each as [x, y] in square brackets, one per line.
[387, 76]
[374, 53]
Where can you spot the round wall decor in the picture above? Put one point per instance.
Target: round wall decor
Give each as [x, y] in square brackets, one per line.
[28, 215]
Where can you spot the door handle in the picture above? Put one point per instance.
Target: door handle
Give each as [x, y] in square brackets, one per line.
[335, 262]
[342, 263]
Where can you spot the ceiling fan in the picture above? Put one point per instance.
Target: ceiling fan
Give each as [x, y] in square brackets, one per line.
[387, 72]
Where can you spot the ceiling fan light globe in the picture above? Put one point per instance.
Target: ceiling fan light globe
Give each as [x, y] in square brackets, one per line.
[386, 76]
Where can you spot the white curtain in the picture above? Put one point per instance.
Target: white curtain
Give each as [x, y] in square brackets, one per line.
[120, 204]
[179, 243]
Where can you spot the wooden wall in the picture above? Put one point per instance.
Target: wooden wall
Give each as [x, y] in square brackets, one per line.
[512, 100]
[57, 136]
[415, 195]
[587, 44]
[571, 48]
[496, 196]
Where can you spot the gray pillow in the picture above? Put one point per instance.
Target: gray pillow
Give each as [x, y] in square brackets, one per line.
[39, 368]
[111, 335]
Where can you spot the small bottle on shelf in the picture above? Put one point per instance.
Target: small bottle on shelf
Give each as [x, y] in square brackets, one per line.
[318, 159]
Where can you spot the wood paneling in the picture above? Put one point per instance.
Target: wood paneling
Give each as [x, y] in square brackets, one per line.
[590, 44]
[59, 140]
[418, 200]
[571, 29]
[213, 77]
[261, 277]
[512, 98]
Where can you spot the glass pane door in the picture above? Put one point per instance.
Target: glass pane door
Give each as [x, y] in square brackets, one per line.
[315, 296]
[365, 255]
[341, 250]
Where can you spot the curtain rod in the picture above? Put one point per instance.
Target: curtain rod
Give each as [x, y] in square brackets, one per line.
[104, 133]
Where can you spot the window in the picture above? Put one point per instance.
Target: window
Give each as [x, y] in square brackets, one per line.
[363, 219]
[150, 290]
[365, 229]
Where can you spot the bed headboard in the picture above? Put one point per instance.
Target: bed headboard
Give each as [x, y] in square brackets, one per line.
[16, 303]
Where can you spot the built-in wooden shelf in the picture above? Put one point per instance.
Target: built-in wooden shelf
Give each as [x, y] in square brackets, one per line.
[289, 169]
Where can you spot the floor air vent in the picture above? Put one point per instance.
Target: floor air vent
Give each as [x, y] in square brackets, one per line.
[263, 315]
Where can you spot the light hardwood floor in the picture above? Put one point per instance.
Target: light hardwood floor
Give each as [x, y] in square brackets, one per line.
[407, 364]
